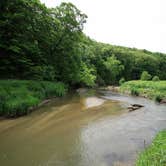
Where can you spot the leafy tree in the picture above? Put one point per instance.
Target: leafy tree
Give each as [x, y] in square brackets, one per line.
[41, 43]
[87, 75]
[144, 62]
[25, 38]
[114, 67]
[66, 60]
[145, 76]
[162, 65]
[155, 78]
[121, 81]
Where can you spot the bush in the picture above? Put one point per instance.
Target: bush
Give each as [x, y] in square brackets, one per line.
[87, 76]
[145, 76]
[155, 90]
[158, 97]
[100, 81]
[48, 73]
[36, 73]
[17, 96]
[121, 81]
[134, 92]
[155, 78]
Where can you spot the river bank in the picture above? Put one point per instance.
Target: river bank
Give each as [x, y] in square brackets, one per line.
[155, 153]
[155, 90]
[19, 97]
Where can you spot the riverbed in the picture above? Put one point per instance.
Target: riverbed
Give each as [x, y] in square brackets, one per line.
[87, 128]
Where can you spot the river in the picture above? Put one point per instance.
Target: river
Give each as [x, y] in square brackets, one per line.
[86, 128]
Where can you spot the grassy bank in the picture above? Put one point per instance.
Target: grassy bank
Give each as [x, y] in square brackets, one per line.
[152, 89]
[155, 155]
[17, 96]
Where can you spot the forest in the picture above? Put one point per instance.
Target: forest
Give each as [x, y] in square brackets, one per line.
[40, 43]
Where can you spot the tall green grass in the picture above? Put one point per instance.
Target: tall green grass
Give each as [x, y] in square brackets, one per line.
[17, 96]
[155, 155]
[152, 89]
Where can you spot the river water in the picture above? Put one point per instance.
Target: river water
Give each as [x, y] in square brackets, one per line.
[85, 128]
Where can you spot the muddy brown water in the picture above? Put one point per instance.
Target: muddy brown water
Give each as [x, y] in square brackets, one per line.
[90, 128]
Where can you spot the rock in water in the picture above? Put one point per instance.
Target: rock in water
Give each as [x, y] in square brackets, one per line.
[134, 107]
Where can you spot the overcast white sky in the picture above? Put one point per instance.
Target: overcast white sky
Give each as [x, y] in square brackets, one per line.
[132, 23]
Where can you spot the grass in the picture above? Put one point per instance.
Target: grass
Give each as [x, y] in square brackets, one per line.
[152, 89]
[154, 155]
[17, 96]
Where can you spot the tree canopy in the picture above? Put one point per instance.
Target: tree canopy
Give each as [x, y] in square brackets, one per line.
[41, 43]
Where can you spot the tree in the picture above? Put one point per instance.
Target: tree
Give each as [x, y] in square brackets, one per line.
[114, 67]
[145, 76]
[66, 59]
[122, 81]
[43, 43]
[25, 37]
[155, 78]
[87, 75]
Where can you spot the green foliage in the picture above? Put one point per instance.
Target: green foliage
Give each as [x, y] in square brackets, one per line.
[44, 47]
[49, 73]
[16, 97]
[121, 81]
[155, 78]
[155, 90]
[67, 59]
[50, 45]
[134, 61]
[134, 92]
[154, 155]
[36, 73]
[158, 96]
[145, 76]
[114, 67]
[87, 75]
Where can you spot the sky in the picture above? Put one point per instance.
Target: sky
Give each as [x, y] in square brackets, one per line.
[132, 23]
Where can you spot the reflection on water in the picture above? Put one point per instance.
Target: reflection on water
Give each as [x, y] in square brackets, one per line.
[81, 129]
[93, 101]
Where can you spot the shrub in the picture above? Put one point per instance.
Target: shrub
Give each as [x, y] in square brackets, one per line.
[100, 81]
[121, 81]
[152, 89]
[36, 73]
[87, 76]
[49, 73]
[155, 78]
[134, 92]
[17, 96]
[145, 76]
[158, 97]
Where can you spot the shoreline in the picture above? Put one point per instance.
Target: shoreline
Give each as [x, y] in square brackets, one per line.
[117, 89]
